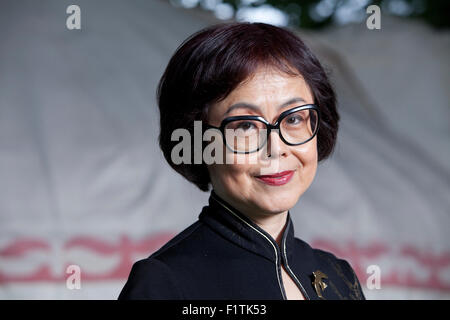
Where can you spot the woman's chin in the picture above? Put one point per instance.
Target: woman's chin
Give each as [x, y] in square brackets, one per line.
[281, 196]
[273, 206]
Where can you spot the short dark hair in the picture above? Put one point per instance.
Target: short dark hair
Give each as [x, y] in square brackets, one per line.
[211, 63]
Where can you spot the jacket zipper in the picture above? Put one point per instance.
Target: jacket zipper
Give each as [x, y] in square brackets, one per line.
[277, 259]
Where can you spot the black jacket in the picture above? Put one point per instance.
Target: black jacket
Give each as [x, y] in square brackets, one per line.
[224, 255]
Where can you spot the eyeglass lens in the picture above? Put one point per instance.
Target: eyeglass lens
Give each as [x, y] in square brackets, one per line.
[251, 135]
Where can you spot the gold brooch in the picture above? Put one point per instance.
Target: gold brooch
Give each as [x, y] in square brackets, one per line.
[318, 283]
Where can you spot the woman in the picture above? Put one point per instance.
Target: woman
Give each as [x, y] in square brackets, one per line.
[272, 110]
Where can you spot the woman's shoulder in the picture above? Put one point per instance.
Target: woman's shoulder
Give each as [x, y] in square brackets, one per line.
[155, 277]
[324, 257]
[150, 278]
[338, 271]
[183, 238]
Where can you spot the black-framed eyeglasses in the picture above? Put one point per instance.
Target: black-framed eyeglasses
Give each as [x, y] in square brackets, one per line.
[247, 134]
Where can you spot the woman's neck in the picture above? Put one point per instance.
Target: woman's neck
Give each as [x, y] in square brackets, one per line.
[273, 225]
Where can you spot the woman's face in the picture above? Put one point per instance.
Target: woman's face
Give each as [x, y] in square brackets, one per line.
[237, 180]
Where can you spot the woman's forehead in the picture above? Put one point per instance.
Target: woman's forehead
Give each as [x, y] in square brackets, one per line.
[269, 86]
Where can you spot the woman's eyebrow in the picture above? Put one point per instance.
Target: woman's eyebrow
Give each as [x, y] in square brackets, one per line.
[245, 105]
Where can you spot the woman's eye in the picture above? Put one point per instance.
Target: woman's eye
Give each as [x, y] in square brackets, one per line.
[294, 119]
[245, 126]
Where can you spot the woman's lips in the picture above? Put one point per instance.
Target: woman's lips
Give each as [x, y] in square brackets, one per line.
[277, 179]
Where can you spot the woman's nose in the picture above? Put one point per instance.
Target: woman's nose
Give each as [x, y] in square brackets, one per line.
[275, 146]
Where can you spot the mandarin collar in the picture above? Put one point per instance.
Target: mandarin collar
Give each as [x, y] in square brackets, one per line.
[241, 230]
